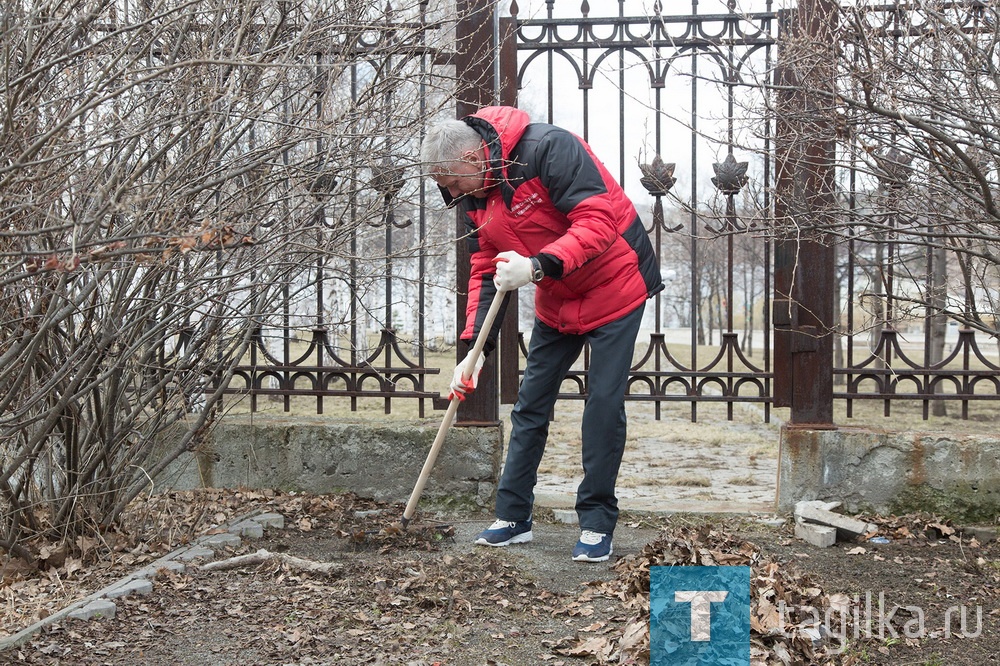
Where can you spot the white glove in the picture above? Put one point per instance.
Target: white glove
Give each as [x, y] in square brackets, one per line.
[466, 377]
[513, 271]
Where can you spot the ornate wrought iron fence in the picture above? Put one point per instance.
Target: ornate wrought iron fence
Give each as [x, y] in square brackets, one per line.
[721, 64]
[353, 324]
[904, 336]
[677, 105]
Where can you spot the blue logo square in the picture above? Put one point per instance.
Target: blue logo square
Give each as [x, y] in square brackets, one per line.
[699, 616]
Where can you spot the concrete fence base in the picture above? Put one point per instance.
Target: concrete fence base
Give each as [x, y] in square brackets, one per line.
[381, 461]
[954, 476]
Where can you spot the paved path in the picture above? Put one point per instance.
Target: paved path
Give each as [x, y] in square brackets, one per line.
[672, 464]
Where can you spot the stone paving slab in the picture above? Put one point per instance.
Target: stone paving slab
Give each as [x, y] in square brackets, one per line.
[249, 529]
[220, 541]
[140, 586]
[196, 553]
[153, 571]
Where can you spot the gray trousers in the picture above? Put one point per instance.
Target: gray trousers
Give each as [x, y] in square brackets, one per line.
[550, 355]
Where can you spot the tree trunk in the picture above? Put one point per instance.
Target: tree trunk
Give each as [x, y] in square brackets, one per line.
[937, 293]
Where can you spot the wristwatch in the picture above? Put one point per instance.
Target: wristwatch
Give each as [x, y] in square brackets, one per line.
[536, 270]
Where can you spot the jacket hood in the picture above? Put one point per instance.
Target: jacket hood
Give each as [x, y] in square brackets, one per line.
[501, 128]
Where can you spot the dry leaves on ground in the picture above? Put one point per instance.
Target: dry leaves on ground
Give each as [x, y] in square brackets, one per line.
[787, 608]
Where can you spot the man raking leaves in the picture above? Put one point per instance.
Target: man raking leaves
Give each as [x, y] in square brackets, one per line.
[541, 208]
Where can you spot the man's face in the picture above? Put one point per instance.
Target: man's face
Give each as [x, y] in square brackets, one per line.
[464, 176]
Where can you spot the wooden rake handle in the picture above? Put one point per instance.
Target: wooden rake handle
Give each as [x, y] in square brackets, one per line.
[449, 416]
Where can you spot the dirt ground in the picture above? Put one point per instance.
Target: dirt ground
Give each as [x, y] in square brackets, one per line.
[425, 598]
[431, 597]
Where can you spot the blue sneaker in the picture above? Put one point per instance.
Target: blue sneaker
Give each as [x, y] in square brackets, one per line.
[592, 547]
[504, 532]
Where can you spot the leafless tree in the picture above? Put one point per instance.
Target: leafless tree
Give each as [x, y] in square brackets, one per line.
[171, 170]
[915, 114]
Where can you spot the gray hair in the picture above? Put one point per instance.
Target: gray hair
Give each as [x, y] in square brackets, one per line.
[445, 142]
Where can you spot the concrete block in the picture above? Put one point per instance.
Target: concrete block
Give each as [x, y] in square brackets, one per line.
[377, 460]
[153, 571]
[248, 529]
[565, 516]
[847, 528]
[139, 586]
[817, 504]
[196, 552]
[270, 520]
[220, 541]
[817, 535]
[95, 610]
[953, 476]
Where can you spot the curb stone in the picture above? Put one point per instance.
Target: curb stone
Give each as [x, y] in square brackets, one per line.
[95, 610]
[195, 553]
[140, 586]
[98, 605]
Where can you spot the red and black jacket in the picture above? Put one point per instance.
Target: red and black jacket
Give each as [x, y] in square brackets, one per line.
[552, 196]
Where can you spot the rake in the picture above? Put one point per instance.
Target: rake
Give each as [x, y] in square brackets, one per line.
[449, 416]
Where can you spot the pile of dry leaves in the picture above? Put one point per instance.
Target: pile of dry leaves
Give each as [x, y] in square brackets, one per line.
[780, 633]
[790, 613]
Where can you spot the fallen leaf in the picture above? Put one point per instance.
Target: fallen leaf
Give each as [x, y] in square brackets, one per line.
[592, 646]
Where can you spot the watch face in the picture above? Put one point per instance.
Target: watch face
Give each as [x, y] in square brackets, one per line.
[536, 270]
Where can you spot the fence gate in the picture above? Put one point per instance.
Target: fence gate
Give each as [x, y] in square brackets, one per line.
[674, 104]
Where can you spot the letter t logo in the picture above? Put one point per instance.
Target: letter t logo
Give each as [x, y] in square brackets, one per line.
[701, 610]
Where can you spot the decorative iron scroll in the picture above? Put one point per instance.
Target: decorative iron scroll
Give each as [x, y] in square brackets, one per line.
[320, 371]
[894, 376]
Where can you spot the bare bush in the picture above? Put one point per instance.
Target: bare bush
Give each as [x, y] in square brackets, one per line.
[168, 170]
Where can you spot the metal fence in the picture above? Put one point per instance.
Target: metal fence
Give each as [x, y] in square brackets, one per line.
[677, 105]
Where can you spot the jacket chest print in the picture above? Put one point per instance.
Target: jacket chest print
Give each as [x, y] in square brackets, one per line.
[522, 207]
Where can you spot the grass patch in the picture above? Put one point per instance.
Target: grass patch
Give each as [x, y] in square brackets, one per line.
[747, 480]
[763, 449]
[689, 481]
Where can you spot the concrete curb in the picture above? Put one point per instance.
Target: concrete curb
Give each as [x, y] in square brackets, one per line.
[99, 605]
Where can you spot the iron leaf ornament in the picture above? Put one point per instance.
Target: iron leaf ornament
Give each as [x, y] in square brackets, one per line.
[894, 169]
[730, 175]
[657, 177]
[387, 179]
[324, 180]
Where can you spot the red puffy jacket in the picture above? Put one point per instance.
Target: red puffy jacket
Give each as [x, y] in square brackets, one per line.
[553, 196]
